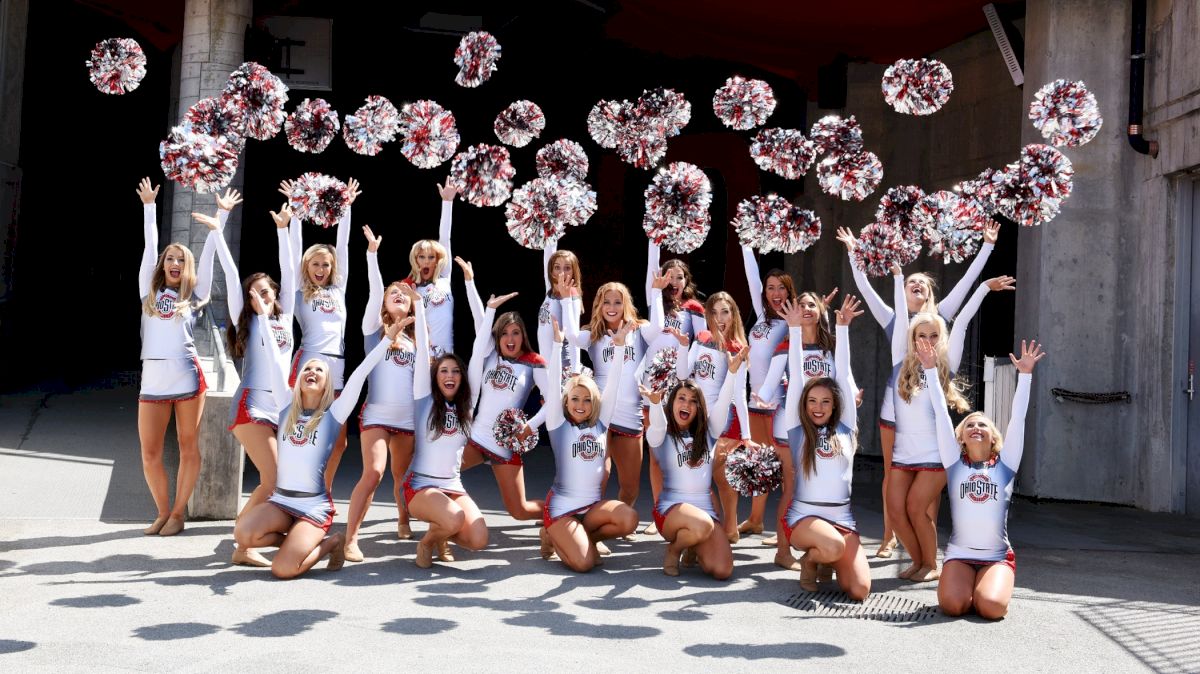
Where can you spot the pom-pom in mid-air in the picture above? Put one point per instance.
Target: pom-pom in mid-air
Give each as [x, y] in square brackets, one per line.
[507, 431]
[953, 225]
[430, 134]
[542, 208]
[483, 174]
[668, 107]
[1036, 185]
[606, 120]
[642, 143]
[476, 58]
[197, 160]
[217, 116]
[835, 135]
[312, 125]
[375, 123]
[879, 247]
[917, 86]
[752, 471]
[772, 223]
[320, 199]
[850, 177]
[896, 210]
[117, 65]
[677, 204]
[785, 152]
[519, 123]
[743, 103]
[563, 159]
[1066, 113]
[261, 96]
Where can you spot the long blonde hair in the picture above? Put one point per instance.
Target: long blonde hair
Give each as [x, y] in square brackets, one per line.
[310, 289]
[596, 324]
[438, 249]
[909, 381]
[930, 305]
[592, 389]
[314, 421]
[997, 439]
[573, 260]
[187, 283]
[736, 332]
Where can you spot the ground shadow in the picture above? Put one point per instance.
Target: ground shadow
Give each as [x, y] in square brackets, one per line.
[97, 601]
[419, 626]
[14, 646]
[173, 631]
[284, 623]
[791, 651]
[562, 624]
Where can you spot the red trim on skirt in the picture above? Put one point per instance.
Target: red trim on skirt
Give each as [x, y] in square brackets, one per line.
[392, 430]
[243, 415]
[547, 520]
[623, 432]
[323, 526]
[735, 426]
[787, 528]
[1010, 560]
[199, 392]
[515, 460]
[409, 492]
[918, 468]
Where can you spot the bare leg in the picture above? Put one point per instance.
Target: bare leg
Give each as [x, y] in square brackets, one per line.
[259, 441]
[626, 455]
[821, 542]
[471, 458]
[853, 572]
[956, 588]
[899, 484]
[609, 519]
[760, 432]
[887, 440]
[474, 534]
[715, 557]
[511, 480]
[728, 498]
[187, 429]
[445, 519]
[339, 448]
[374, 458]
[656, 485]
[993, 590]
[263, 526]
[401, 448]
[152, 427]
[926, 487]
[684, 527]
[305, 545]
[783, 552]
[570, 541]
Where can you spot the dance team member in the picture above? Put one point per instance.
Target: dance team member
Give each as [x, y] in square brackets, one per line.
[557, 263]
[430, 264]
[575, 519]
[981, 469]
[297, 516]
[172, 293]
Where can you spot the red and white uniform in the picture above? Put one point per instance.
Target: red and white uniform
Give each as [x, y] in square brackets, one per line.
[553, 307]
[708, 366]
[439, 301]
[501, 383]
[764, 337]
[322, 317]
[687, 318]
[389, 402]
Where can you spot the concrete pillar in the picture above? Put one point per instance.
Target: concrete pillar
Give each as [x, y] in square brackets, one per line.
[14, 21]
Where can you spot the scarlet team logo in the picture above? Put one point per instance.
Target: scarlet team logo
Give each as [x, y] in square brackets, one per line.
[979, 488]
[816, 366]
[282, 339]
[501, 378]
[704, 368]
[761, 331]
[450, 426]
[165, 305]
[324, 302]
[401, 357]
[586, 447]
[684, 456]
[607, 354]
[299, 437]
[436, 297]
[823, 448]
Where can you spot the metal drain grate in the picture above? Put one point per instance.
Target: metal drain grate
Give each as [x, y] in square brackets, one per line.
[882, 606]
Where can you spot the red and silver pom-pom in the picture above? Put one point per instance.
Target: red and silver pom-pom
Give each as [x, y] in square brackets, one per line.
[319, 198]
[430, 134]
[1035, 186]
[953, 225]
[1066, 113]
[878, 248]
[581, 201]
[759, 220]
[606, 120]
[800, 230]
[542, 208]
[660, 374]
[850, 177]
[752, 471]
[834, 135]
[917, 86]
[667, 105]
[261, 96]
[563, 159]
[312, 125]
[785, 152]
[476, 58]
[568, 373]
[677, 204]
[217, 116]
[510, 423]
[743, 103]
[375, 123]
[895, 209]
[519, 123]
[197, 160]
[642, 143]
[986, 190]
[483, 174]
[117, 65]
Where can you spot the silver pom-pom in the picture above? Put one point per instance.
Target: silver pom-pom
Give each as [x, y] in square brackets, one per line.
[563, 159]
[483, 174]
[606, 120]
[850, 177]
[953, 225]
[1034, 188]
[917, 86]
[743, 103]
[834, 135]
[519, 123]
[1066, 113]
[261, 97]
[677, 204]
[476, 58]
[507, 429]
[752, 471]
[312, 125]
[117, 65]
[660, 374]
[430, 135]
[785, 152]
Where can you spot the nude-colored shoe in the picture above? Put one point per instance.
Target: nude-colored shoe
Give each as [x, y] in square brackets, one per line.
[173, 526]
[444, 553]
[650, 530]
[747, 528]
[908, 573]
[403, 532]
[337, 554]
[671, 563]
[771, 540]
[547, 548]
[155, 526]
[733, 537]
[424, 555]
[926, 574]
[602, 549]
[353, 553]
[690, 558]
[249, 557]
[787, 562]
[808, 574]
[824, 573]
[886, 549]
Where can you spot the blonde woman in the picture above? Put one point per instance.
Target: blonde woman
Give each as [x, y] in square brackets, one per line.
[298, 515]
[173, 292]
[559, 264]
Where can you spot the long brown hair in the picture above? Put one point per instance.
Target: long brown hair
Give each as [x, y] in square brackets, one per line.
[689, 286]
[503, 321]
[808, 460]
[785, 279]
[237, 335]
[825, 340]
[573, 260]
[386, 318]
[699, 425]
[737, 332]
[461, 401]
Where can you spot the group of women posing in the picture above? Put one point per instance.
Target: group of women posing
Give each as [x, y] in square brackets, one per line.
[433, 413]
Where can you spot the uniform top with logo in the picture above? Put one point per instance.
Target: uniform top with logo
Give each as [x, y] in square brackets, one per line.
[916, 426]
[501, 383]
[833, 469]
[687, 318]
[765, 335]
[708, 366]
[168, 333]
[437, 454]
[322, 317]
[439, 302]
[684, 482]
[579, 450]
[980, 493]
[553, 307]
[391, 383]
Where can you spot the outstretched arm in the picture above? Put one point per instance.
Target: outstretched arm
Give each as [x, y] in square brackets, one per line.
[204, 266]
[287, 263]
[446, 192]
[483, 347]
[372, 318]
[233, 294]
[422, 377]
[547, 253]
[795, 389]
[344, 404]
[844, 378]
[473, 299]
[271, 354]
[754, 281]
[652, 254]
[552, 408]
[900, 326]
[879, 309]
[150, 232]
[948, 307]
[1014, 436]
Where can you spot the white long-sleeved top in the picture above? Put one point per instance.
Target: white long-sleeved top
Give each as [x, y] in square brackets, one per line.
[553, 307]
[169, 333]
[439, 301]
[708, 366]
[688, 318]
[764, 337]
[323, 317]
[435, 455]
[501, 383]
[980, 493]
[390, 384]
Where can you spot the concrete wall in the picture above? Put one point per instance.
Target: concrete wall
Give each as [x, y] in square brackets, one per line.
[14, 18]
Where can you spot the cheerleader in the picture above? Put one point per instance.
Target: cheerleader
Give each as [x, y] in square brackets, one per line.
[919, 297]
[297, 516]
[254, 418]
[173, 292]
[575, 519]
[980, 567]
[321, 307]
[822, 423]
[682, 439]
[558, 263]
[613, 308]
[433, 490]
[386, 419]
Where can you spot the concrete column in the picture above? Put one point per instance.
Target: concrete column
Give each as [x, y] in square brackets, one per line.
[14, 21]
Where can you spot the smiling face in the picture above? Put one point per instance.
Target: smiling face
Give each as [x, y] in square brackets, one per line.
[396, 303]
[612, 308]
[685, 407]
[720, 319]
[319, 268]
[448, 376]
[578, 404]
[917, 291]
[819, 405]
[776, 292]
[677, 281]
[810, 310]
[510, 340]
[262, 288]
[311, 378]
[978, 436]
[174, 261]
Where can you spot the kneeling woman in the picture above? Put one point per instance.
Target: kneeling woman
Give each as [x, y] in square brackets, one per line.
[980, 567]
[298, 515]
[822, 425]
[574, 517]
[682, 442]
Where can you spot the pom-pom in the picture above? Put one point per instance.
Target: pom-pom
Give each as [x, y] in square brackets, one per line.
[666, 105]
[581, 371]
[783, 151]
[986, 190]
[1034, 188]
[896, 209]
[507, 431]
[850, 177]
[659, 374]
[217, 116]
[519, 123]
[375, 123]
[752, 471]
[917, 86]
[878, 248]
[483, 174]
[743, 103]
[117, 65]
[759, 219]
[1066, 113]
[312, 125]
[430, 135]
[320, 199]
[953, 225]
[541, 209]
[197, 160]
[261, 96]
[476, 58]
[642, 143]
[563, 159]
[677, 204]
[606, 120]
[799, 230]
[834, 135]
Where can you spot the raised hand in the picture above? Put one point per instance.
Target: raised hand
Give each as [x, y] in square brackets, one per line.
[849, 311]
[393, 331]
[1031, 353]
[558, 335]
[991, 232]
[1001, 283]
[896, 270]
[227, 201]
[257, 303]
[447, 191]
[762, 404]
[208, 221]
[654, 397]
[285, 188]
[683, 338]
[412, 294]
[622, 333]
[660, 281]
[847, 238]
[495, 302]
[353, 188]
[283, 217]
[372, 240]
[927, 355]
[829, 298]
[792, 313]
[146, 192]
[564, 285]
[735, 362]
[467, 269]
